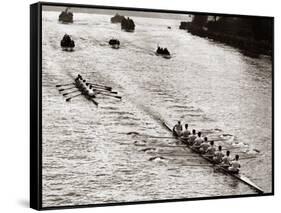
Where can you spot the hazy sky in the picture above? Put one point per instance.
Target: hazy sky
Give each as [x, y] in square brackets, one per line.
[183, 17]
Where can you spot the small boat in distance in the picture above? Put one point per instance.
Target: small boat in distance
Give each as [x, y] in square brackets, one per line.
[117, 18]
[67, 44]
[114, 43]
[164, 52]
[66, 16]
[128, 25]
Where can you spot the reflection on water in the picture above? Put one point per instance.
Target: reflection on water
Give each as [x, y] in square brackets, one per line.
[89, 158]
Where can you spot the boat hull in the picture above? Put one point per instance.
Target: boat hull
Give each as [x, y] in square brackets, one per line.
[166, 56]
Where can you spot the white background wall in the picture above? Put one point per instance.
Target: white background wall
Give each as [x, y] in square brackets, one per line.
[14, 107]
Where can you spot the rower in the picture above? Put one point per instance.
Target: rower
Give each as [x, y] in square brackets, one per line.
[235, 165]
[185, 133]
[226, 160]
[211, 150]
[198, 141]
[89, 88]
[177, 130]
[192, 137]
[204, 146]
[83, 86]
[218, 155]
[91, 92]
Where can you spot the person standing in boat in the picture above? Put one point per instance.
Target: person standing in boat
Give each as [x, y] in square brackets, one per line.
[185, 133]
[79, 77]
[198, 141]
[235, 165]
[192, 137]
[78, 80]
[226, 160]
[177, 130]
[204, 146]
[218, 155]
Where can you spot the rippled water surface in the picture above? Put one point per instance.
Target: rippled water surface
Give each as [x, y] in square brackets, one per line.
[88, 155]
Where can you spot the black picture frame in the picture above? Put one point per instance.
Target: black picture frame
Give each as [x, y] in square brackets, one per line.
[36, 104]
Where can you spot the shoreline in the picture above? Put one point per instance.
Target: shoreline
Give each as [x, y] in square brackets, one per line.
[248, 46]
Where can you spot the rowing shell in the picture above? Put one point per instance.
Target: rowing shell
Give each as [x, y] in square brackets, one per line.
[240, 177]
[86, 94]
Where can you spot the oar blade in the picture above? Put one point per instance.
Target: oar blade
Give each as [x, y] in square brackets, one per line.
[96, 103]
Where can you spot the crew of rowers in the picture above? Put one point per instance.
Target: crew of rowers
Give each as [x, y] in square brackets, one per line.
[85, 88]
[208, 148]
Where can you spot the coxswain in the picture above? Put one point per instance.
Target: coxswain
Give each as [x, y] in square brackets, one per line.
[185, 133]
[177, 130]
[226, 160]
[192, 137]
[218, 155]
[204, 146]
[235, 165]
[198, 141]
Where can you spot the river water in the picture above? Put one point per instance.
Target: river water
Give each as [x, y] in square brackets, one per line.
[103, 154]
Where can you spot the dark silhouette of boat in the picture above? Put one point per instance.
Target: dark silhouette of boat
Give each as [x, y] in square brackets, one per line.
[117, 18]
[184, 25]
[164, 52]
[128, 24]
[67, 44]
[66, 16]
[114, 43]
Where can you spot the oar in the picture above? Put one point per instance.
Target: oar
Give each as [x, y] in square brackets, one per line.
[65, 94]
[246, 158]
[198, 165]
[66, 89]
[61, 85]
[96, 103]
[151, 136]
[102, 90]
[113, 96]
[99, 85]
[68, 99]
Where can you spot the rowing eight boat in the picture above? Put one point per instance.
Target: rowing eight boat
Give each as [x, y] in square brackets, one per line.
[240, 177]
[89, 97]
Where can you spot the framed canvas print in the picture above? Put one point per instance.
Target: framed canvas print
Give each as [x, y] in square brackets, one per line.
[133, 105]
